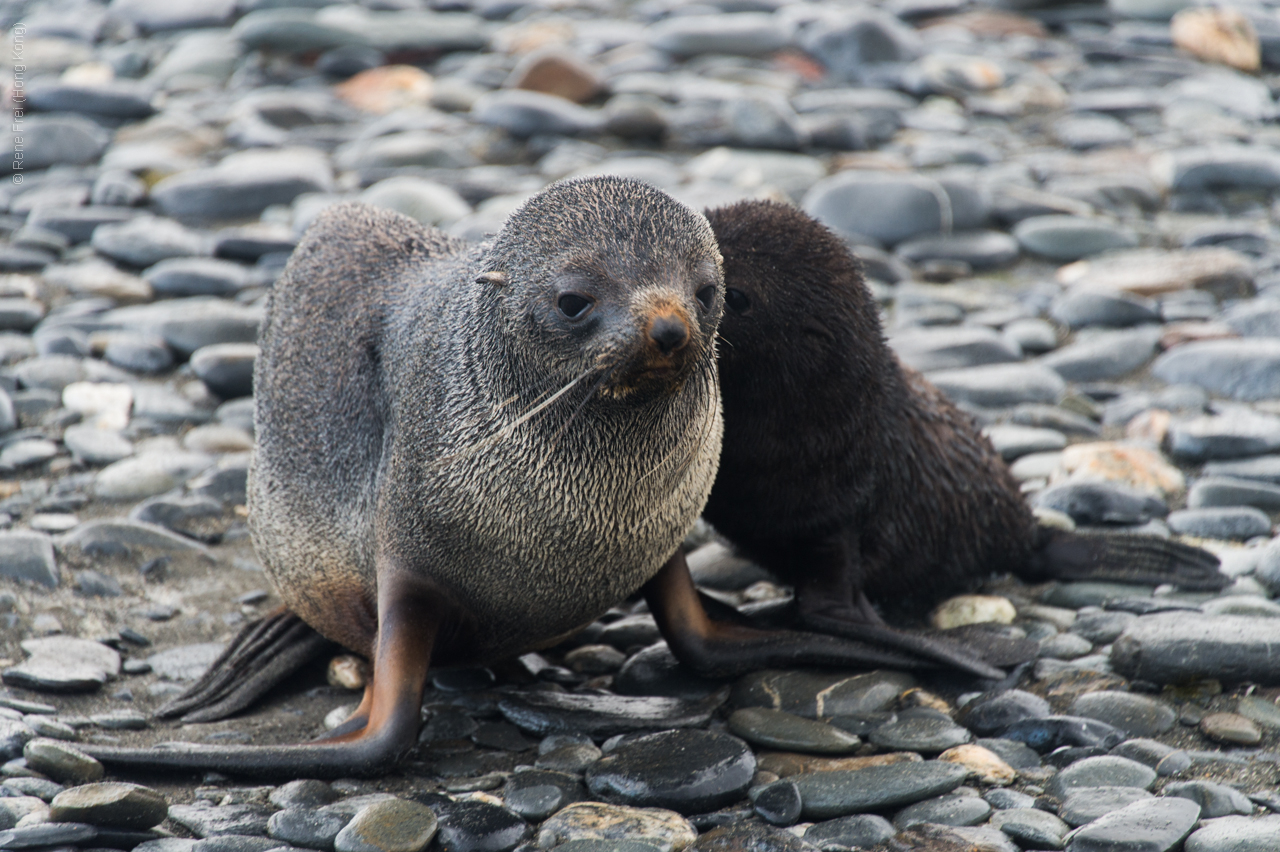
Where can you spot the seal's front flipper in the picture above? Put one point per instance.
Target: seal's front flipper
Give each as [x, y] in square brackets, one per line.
[263, 654]
[724, 649]
[1123, 558]
[410, 614]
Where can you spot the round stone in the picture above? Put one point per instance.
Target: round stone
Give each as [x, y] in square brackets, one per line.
[1230, 728]
[1071, 237]
[689, 771]
[944, 810]
[1085, 804]
[1155, 824]
[391, 825]
[61, 762]
[110, 804]
[1136, 715]
[982, 763]
[599, 821]
[777, 803]
[310, 829]
[474, 826]
[1215, 800]
[1237, 834]
[1031, 828]
[858, 832]
[920, 729]
[875, 788]
[1102, 771]
[786, 731]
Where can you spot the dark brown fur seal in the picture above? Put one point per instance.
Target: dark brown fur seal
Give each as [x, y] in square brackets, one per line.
[465, 453]
[851, 476]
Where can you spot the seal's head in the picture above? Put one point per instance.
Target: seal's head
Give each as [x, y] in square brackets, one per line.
[796, 308]
[612, 277]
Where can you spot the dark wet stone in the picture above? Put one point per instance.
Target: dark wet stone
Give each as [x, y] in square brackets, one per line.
[602, 715]
[51, 835]
[951, 348]
[1085, 804]
[305, 827]
[501, 735]
[116, 99]
[77, 224]
[992, 713]
[62, 762]
[196, 276]
[777, 803]
[64, 664]
[537, 794]
[1101, 628]
[1000, 385]
[205, 820]
[631, 631]
[1147, 752]
[1102, 503]
[50, 140]
[1068, 238]
[892, 208]
[1219, 167]
[472, 826]
[523, 114]
[1152, 825]
[1103, 771]
[1031, 828]
[236, 843]
[789, 732]
[1136, 715]
[1236, 834]
[1219, 491]
[568, 757]
[816, 694]
[26, 555]
[95, 584]
[242, 185]
[920, 729]
[745, 34]
[1229, 523]
[860, 831]
[189, 324]
[146, 240]
[1180, 647]
[1254, 319]
[1215, 800]
[1053, 732]
[841, 792]
[748, 838]
[981, 249]
[13, 736]
[1002, 799]
[225, 482]
[956, 809]
[686, 771]
[1105, 354]
[197, 517]
[1241, 369]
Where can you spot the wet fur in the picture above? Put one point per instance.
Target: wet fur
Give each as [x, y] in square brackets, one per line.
[398, 409]
[831, 442]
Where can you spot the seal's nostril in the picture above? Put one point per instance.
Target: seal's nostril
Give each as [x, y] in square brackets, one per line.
[670, 333]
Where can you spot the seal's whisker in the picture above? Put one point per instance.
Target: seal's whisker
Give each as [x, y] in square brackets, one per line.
[555, 439]
[505, 431]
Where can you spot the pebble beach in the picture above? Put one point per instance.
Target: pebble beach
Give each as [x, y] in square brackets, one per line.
[1067, 213]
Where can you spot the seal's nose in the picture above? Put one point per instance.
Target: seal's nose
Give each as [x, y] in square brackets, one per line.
[670, 333]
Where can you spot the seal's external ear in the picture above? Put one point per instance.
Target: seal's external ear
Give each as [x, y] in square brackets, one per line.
[495, 277]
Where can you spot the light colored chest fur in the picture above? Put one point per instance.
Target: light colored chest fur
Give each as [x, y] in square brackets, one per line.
[537, 536]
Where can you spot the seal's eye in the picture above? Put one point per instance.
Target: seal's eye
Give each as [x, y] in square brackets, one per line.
[574, 306]
[706, 296]
[736, 300]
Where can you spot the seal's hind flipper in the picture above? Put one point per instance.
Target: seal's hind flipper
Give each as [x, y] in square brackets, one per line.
[1124, 558]
[263, 654]
[727, 648]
